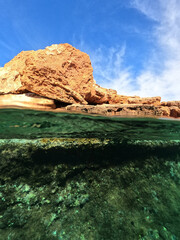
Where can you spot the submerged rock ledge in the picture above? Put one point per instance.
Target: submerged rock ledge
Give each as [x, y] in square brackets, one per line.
[89, 188]
[61, 75]
[82, 150]
[16, 154]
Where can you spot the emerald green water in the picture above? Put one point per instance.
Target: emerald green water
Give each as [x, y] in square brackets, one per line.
[31, 124]
[77, 177]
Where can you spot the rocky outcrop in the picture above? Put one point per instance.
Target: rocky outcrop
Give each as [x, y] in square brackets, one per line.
[148, 100]
[171, 104]
[58, 72]
[175, 112]
[173, 108]
[142, 110]
[63, 73]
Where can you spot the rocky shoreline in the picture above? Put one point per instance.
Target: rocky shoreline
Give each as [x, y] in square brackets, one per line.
[60, 78]
[169, 109]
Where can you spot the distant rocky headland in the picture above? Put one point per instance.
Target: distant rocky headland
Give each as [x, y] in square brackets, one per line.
[60, 78]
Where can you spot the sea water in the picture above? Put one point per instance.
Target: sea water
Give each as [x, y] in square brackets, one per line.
[75, 176]
[31, 124]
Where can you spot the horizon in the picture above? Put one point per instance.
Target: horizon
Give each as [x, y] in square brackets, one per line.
[134, 45]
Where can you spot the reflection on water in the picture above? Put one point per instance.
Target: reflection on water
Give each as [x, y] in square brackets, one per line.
[30, 124]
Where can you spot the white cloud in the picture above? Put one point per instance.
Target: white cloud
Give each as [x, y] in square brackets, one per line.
[108, 68]
[161, 76]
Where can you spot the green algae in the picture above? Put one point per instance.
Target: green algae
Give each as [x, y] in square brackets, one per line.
[123, 201]
[106, 186]
[89, 195]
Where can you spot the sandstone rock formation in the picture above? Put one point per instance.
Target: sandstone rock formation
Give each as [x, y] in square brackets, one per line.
[173, 108]
[148, 100]
[140, 110]
[58, 72]
[63, 73]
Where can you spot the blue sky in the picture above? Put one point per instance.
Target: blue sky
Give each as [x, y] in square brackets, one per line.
[134, 45]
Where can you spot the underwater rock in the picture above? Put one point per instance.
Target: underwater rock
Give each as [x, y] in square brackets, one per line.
[75, 176]
[89, 189]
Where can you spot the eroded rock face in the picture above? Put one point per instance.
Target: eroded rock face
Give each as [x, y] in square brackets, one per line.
[58, 72]
[175, 112]
[148, 100]
[171, 104]
[63, 73]
[9, 80]
[142, 110]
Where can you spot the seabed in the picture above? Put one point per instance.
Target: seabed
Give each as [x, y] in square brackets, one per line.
[95, 184]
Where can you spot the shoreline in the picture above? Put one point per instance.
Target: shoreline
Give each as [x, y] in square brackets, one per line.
[109, 115]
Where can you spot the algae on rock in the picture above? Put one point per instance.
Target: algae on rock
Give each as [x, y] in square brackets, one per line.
[89, 189]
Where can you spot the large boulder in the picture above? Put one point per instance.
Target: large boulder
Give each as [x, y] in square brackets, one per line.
[58, 72]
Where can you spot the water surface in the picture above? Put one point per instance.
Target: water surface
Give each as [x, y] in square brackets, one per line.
[73, 176]
[30, 124]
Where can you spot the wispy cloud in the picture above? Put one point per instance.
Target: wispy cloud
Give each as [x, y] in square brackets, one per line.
[161, 76]
[5, 45]
[109, 70]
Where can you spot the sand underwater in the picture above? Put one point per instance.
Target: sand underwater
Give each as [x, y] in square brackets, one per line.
[72, 176]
